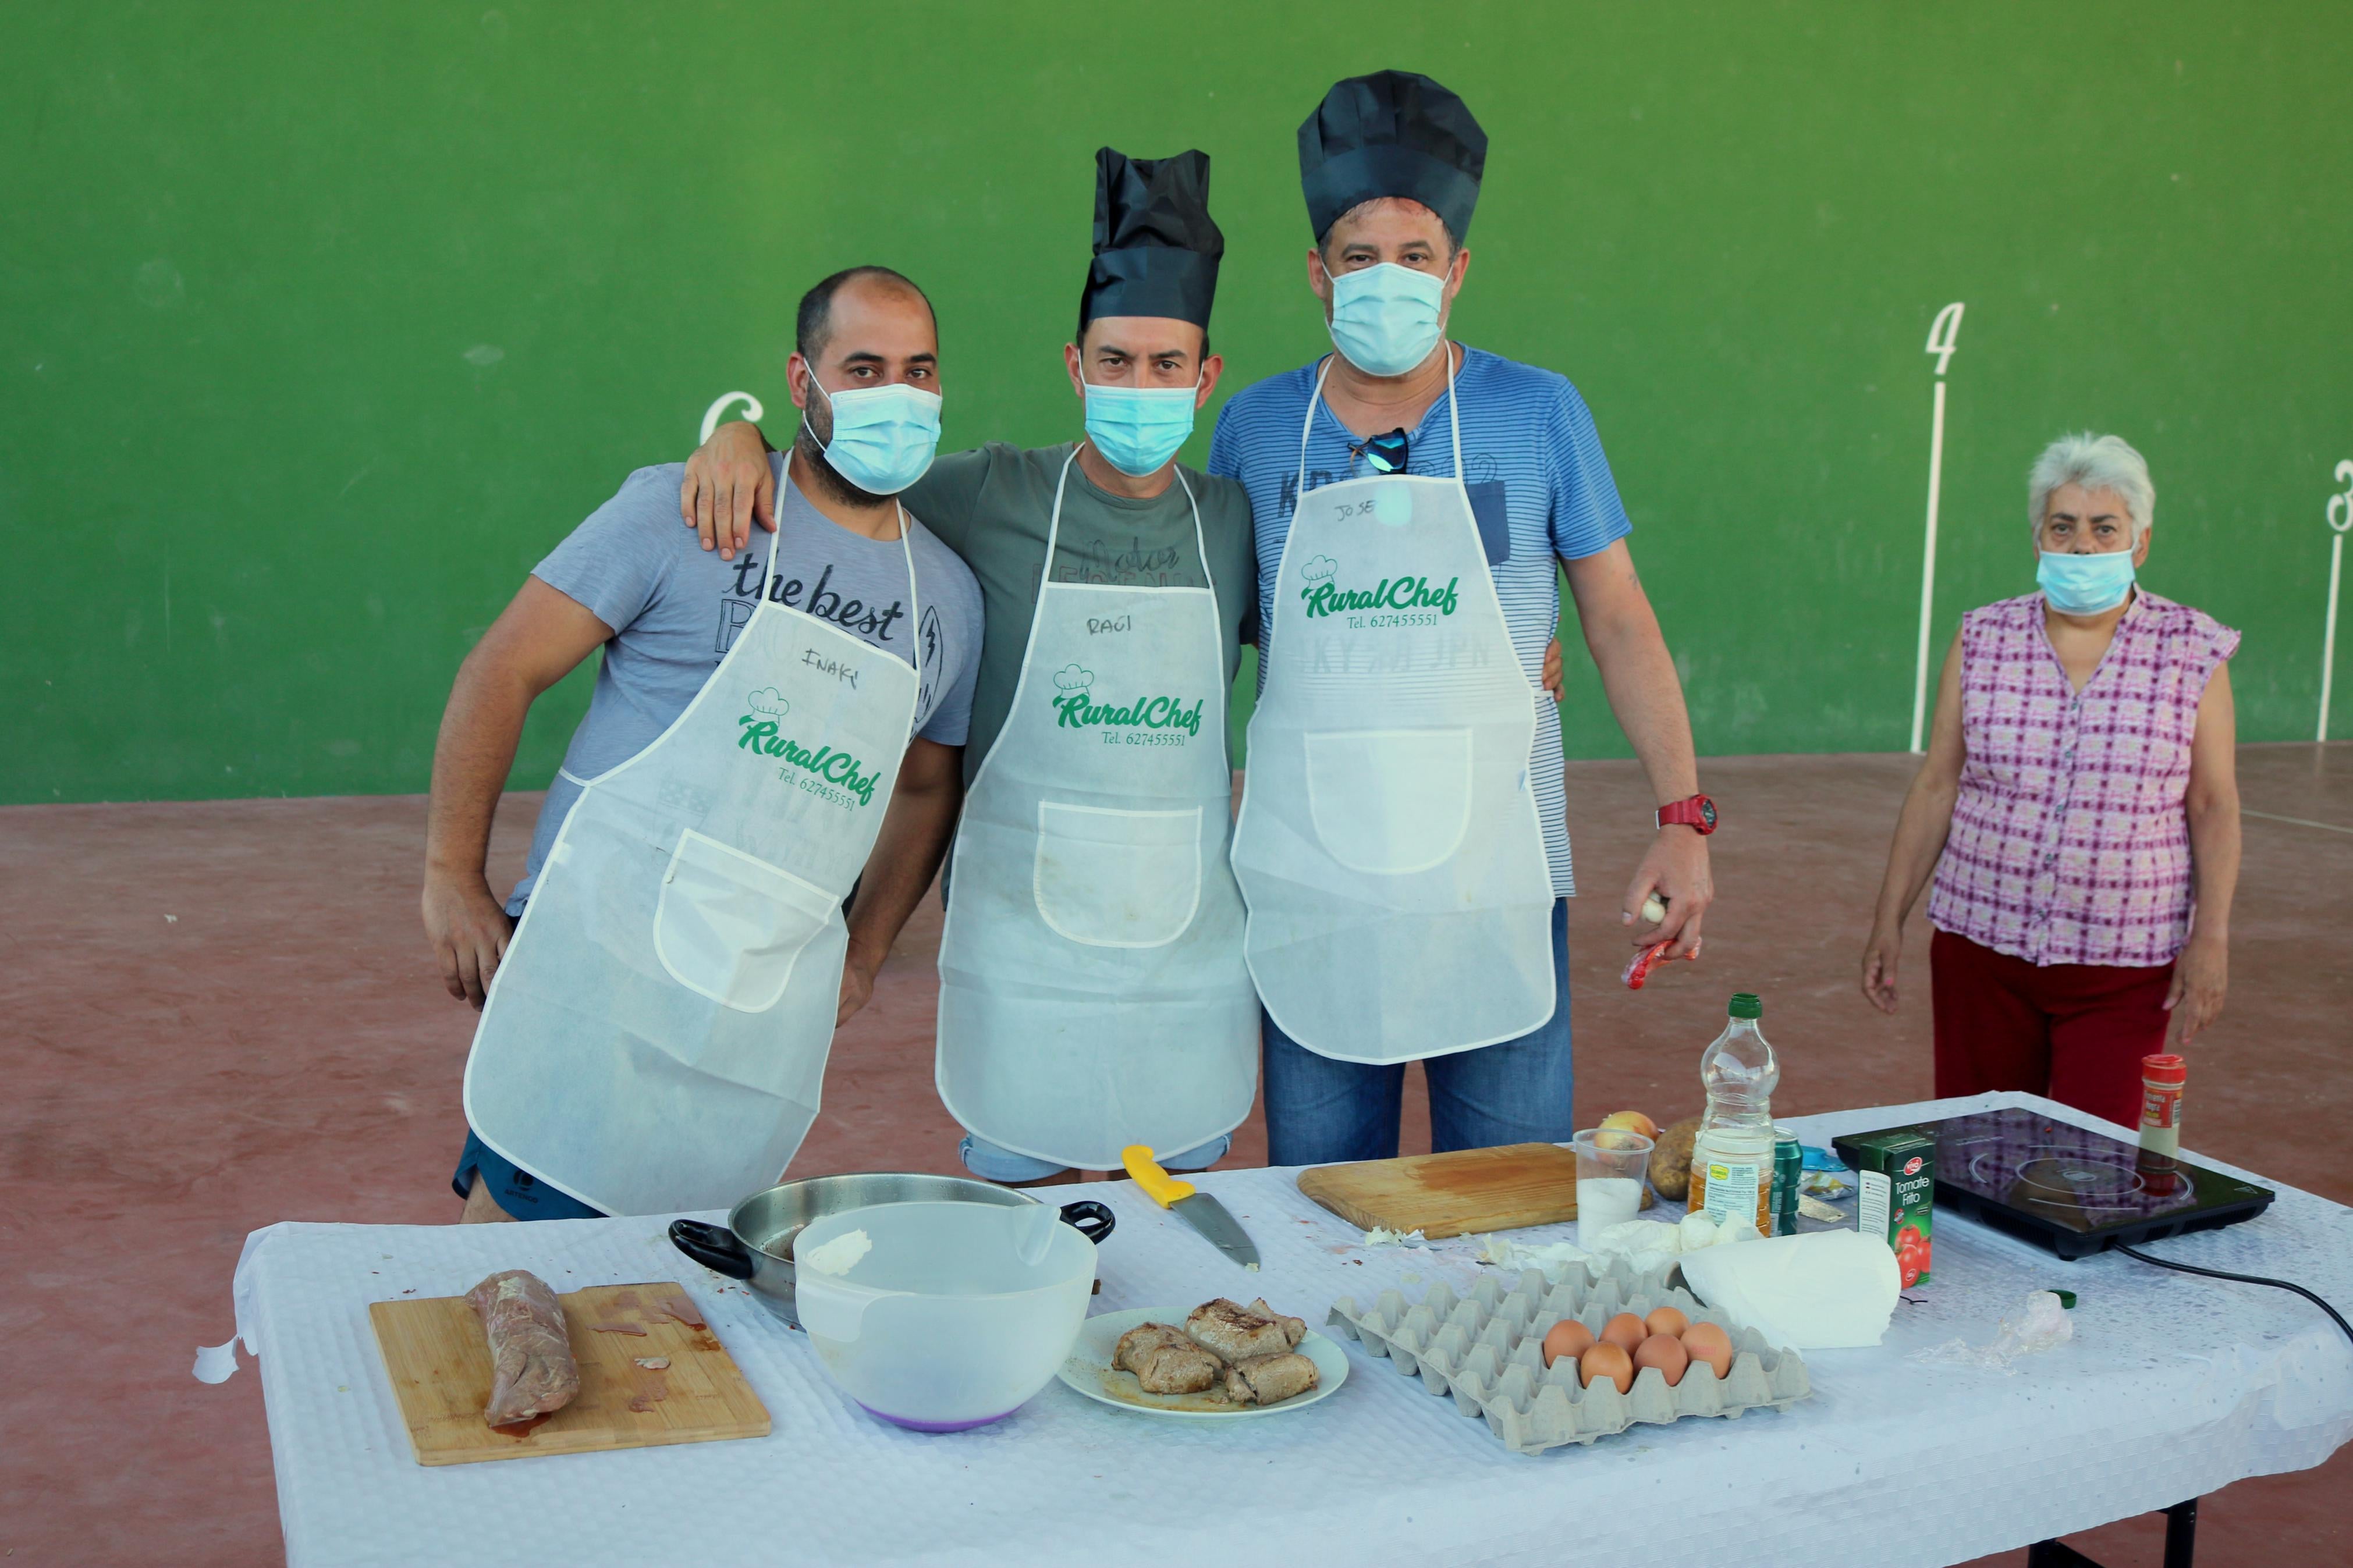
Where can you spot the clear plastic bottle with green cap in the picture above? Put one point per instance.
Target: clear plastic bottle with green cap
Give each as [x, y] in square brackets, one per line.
[1732, 1154]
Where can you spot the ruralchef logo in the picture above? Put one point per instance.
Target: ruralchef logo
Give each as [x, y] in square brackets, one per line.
[762, 737]
[1080, 711]
[1391, 593]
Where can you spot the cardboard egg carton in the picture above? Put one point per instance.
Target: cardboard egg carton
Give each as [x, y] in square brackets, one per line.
[1486, 1349]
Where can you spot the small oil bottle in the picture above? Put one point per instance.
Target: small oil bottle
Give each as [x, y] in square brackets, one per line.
[1732, 1154]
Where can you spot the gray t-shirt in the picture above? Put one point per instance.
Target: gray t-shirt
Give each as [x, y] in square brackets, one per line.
[993, 505]
[675, 609]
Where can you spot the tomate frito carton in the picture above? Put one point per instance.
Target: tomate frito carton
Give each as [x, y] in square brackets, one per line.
[1897, 1170]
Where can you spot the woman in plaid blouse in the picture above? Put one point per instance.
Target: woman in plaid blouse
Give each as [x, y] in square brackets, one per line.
[2078, 811]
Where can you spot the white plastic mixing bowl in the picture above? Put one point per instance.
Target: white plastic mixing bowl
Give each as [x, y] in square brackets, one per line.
[954, 1315]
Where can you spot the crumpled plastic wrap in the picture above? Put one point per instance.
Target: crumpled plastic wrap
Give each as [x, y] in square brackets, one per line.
[2036, 1324]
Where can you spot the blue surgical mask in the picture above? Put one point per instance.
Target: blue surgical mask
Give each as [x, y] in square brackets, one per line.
[1138, 429]
[1385, 318]
[883, 437]
[2085, 585]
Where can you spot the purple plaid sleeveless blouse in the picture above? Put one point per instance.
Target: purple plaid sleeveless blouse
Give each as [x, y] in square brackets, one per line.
[2070, 843]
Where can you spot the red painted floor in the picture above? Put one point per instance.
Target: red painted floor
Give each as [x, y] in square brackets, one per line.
[223, 1015]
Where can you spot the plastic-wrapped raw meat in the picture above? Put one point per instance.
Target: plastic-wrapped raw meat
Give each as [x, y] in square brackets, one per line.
[533, 1371]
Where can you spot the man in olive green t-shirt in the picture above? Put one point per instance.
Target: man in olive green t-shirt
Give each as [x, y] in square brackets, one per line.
[1065, 1082]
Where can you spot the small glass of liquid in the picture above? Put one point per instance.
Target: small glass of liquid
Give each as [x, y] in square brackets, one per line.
[1610, 1165]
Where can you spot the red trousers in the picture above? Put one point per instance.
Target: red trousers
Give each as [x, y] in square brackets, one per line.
[2074, 1032]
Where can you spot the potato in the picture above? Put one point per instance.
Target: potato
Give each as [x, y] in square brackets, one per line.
[1671, 1161]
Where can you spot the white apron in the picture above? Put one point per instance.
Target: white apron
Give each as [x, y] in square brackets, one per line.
[1093, 993]
[1400, 904]
[655, 1039]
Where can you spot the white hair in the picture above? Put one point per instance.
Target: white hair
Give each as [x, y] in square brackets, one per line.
[2096, 463]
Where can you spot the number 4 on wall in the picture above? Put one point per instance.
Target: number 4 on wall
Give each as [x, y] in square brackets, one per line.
[1943, 337]
[2340, 519]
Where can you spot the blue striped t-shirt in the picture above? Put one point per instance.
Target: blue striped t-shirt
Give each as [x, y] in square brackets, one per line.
[1528, 440]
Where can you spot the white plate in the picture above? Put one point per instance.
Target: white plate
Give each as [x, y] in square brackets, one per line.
[1088, 1370]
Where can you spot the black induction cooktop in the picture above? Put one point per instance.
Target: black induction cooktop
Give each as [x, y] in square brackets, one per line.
[2074, 1191]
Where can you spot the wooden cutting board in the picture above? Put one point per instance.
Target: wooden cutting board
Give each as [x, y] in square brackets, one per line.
[1470, 1190]
[439, 1363]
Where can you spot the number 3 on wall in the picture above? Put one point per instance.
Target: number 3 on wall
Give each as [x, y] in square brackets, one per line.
[718, 411]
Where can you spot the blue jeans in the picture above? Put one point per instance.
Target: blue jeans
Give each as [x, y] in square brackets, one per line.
[991, 1163]
[1320, 1111]
[511, 1187]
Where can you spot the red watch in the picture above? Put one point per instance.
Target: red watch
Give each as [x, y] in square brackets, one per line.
[1695, 812]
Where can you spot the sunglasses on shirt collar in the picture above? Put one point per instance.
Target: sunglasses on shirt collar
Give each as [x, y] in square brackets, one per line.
[1386, 453]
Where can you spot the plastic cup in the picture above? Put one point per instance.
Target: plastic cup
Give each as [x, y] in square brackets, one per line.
[1611, 1166]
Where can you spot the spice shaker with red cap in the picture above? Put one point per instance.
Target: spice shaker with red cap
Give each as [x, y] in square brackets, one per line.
[2161, 1081]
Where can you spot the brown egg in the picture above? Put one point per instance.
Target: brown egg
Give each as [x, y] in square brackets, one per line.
[1607, 1360]
[1625, 1331]
[1708, 1342]
[1666, 1353]
[1666, 1321]
[1566, 1338]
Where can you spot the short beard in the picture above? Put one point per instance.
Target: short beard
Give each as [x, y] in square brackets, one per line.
[828, 478]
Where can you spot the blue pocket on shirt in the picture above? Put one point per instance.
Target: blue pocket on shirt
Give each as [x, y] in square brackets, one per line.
[1487, 505]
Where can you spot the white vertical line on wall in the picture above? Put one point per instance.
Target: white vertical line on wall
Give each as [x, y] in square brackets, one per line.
[2340, 518]
[1944, 336]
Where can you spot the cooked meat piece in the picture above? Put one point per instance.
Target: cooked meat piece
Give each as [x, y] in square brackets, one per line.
[1180, 1368]
[1269, 1379]
[1293, 1329]
[1142, 1339]
[1235, 1331]
[533, 1372]
[1165, 1360]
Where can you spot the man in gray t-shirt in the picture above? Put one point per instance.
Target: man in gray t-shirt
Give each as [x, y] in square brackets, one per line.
[676, 609]
[665, 614]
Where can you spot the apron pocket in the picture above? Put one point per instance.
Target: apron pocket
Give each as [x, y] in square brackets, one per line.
[1117, 879]
[1390, 802]
[730, 927]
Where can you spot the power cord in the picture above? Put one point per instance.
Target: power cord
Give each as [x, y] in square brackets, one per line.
[2241, 1278]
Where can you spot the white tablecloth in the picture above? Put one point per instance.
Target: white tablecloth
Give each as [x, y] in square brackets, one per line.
[2173, 1387]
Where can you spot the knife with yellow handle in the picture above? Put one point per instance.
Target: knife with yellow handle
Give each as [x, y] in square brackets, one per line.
[1198, 1209]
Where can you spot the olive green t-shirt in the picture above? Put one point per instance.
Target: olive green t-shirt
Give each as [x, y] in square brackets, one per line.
[992, 506]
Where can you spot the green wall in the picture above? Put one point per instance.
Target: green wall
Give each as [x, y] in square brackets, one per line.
[320, 324]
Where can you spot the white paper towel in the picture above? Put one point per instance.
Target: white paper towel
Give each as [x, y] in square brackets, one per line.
[1829, 1290]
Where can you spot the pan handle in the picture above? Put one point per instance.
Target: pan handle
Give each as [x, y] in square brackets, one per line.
[1089, 1218]
[712, 1246]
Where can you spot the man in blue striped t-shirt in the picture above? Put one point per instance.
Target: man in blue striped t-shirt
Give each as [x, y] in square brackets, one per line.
[1391, 166]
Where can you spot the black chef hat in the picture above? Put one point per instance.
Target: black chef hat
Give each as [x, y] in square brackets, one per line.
[1393, 133]
[1156, 247]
